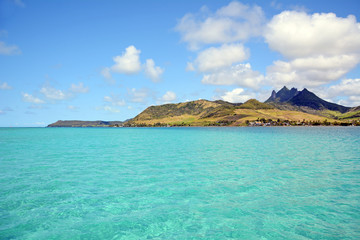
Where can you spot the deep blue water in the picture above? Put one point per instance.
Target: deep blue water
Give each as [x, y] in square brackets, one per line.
[180, 183]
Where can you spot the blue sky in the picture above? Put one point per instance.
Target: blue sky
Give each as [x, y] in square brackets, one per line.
[109, 60]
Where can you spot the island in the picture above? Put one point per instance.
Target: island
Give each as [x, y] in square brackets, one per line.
[287, 107]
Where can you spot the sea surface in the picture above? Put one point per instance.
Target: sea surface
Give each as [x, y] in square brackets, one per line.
[180, 183]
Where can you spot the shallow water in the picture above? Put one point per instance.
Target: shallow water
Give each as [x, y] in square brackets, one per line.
[180, 183]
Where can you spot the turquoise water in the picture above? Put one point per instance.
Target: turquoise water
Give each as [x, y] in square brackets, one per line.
[180, 183]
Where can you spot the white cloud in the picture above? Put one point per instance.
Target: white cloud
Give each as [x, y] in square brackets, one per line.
[237, 95]
[106, 72]
[53, 93]
[115, 100]
[311, 71]
[240, 74]
[138, 95]
[190, 67]
[297, 34]
[229, 26]
[5, 86]
[234, 22]
[152, 71]
[71, 107]
[128, 62]
[320, 48]
[9, 49]
[347, 90]
[5, 110]
[169, 96]
[346, 87]
[353, 101]
[31, 99]
[108, 109]
[213, 59]
[36, 107]
[80, 88]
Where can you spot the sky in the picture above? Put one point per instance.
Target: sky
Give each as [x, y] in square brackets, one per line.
[110, 60]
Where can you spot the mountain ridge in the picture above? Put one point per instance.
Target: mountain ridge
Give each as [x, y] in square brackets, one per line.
[282, 95]
[303, 98]
[286, 105]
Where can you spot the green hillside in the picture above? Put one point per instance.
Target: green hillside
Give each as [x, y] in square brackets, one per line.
[218, 113]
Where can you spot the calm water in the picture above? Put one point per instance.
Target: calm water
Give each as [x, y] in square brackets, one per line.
[180, 183]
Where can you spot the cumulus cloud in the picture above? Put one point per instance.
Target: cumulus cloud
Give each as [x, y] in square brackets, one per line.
[234, 22]
[347, 90]
[240, 74]
[346, 87]
[169, 96]
[106, 72]
[152, 71]
[213, 59]
[5, 86]
[9, 49]
[229, 26]
[31, 99]
[128, 62]
[108, 109]
[353, 101]
[320, 48]
[237, 95]
[72, 107]
[115, 100]
[80, 88]
[53, 93]
[297, 34]
[311, 71]
[138, 95]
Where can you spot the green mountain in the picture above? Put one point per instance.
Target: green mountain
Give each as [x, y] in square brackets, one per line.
[255, 104]
[216, 113]
[353, 113]
[199, 108]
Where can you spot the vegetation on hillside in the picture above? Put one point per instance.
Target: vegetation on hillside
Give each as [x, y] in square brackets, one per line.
[283, 108]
